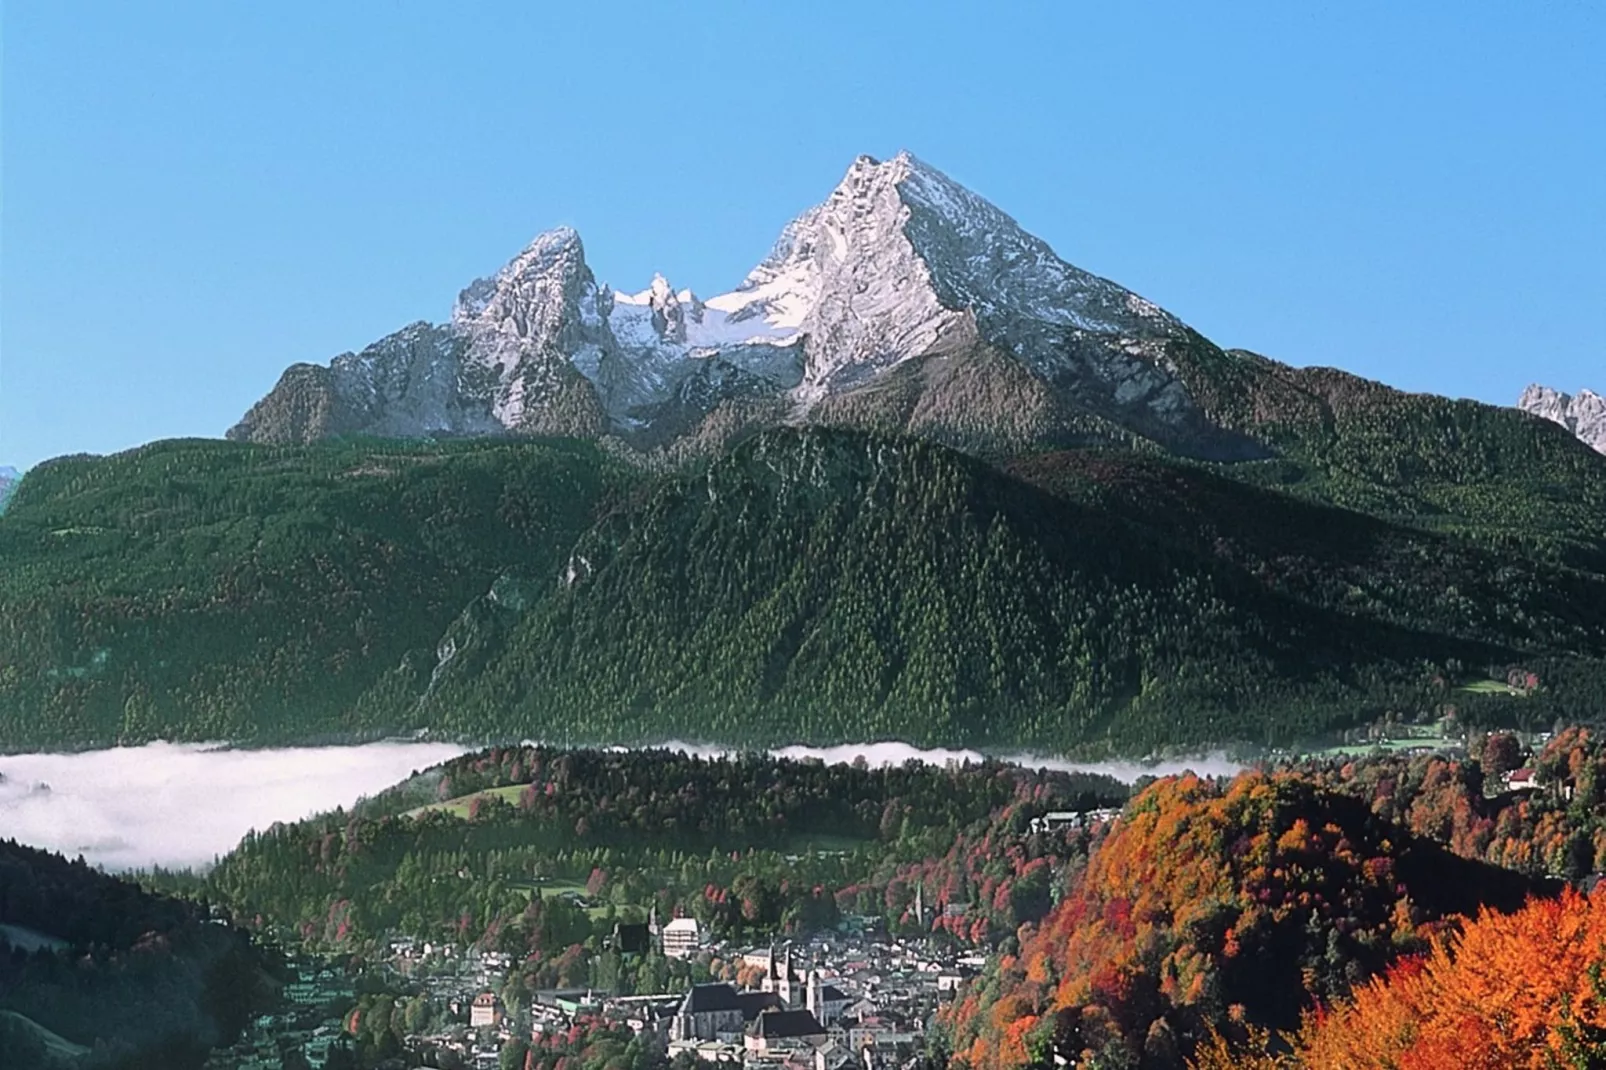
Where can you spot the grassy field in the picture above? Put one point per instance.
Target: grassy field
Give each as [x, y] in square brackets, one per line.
[825, 845]
[1419, 736]
[1385, 746]
[57, 1047]
[458, 807]
[1492, 687]
[556, 889]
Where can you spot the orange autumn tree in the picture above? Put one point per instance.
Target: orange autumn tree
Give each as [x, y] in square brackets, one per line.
[1512, 991]
[1215, 908]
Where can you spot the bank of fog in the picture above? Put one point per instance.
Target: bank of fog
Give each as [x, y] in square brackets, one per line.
[182, 805]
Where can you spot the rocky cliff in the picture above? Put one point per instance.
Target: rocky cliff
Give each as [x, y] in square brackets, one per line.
[1584, 413]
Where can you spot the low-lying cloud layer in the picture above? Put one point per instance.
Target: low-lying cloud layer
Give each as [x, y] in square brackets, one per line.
[892, 753]
[181, 805]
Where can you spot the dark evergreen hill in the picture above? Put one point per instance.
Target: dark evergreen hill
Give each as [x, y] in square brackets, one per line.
[1498, 475]
[809, 585]
[823, 585]
[746, 844]
[200, 589]
[137, 981]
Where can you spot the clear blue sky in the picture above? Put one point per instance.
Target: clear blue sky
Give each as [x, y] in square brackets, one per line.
[197, 195]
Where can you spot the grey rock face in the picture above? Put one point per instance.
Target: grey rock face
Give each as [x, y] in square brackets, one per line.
[899, 264]
[1584, 413]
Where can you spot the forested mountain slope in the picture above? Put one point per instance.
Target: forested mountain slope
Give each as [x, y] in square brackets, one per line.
[201, 589]
[808, 585]
[1497, 475]
[822, 585]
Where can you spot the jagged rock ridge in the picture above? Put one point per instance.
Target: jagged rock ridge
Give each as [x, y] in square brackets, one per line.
[1584, 413]
[899, 266]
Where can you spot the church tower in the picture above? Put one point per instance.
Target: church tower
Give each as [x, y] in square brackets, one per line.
[783, 977]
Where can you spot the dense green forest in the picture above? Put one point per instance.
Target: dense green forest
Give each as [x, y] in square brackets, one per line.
[821, 585]
[809, 586]
[127, 980]
[538, 851]
[210, 590]
[1491, 474]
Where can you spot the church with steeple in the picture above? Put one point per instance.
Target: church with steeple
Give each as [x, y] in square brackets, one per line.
[797, 986]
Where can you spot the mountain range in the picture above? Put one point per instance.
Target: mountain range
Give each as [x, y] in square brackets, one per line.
[905, 304]
[916, 476]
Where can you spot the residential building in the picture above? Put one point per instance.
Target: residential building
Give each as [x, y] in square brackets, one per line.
[485, 1012]
[783, 1030]
[1522, 780]
[681, 937]
[631, 938]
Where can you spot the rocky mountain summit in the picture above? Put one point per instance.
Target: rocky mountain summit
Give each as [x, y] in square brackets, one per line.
[1584, 413]
[903, 302]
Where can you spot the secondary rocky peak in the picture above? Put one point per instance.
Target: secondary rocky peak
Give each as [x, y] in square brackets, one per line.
[1584, 413]
[668, 314]
[518, 298]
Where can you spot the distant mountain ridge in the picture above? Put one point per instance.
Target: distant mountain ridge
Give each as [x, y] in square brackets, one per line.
[899, 265]
[1584, 414]
[9, 478]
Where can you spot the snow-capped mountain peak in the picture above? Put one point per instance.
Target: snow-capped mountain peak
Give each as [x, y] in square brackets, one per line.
[899, 262]
[900, 256]
[552, 262]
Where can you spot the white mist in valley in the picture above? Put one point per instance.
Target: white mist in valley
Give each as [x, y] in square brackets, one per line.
[178, 805]
[182, 805]
[894, 753]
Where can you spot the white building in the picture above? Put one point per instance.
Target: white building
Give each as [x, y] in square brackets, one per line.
[681, 937]
[485, 1011]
